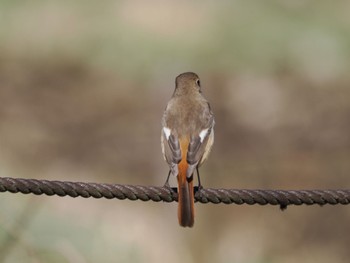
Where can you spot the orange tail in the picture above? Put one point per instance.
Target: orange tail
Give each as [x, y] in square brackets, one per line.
[186, 196]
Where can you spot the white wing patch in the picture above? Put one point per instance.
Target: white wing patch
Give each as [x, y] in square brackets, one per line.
[203, 134]
[167, 132]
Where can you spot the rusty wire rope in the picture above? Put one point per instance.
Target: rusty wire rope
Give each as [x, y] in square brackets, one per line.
[283, 198]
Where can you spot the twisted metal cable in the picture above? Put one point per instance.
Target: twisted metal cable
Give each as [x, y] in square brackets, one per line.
[283, 198]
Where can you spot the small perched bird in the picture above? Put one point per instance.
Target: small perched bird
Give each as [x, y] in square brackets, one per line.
[187, 136]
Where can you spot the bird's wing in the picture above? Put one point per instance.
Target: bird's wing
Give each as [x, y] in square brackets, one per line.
[200, 143]
[171, 149]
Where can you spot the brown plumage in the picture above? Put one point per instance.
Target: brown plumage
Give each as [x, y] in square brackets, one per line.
[187, 137]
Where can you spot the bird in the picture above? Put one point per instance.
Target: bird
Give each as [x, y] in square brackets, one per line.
[187, 136]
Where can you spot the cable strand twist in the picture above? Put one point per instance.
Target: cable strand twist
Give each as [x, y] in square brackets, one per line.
[283, 198]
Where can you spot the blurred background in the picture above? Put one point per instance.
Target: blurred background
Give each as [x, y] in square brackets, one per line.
[83, 85]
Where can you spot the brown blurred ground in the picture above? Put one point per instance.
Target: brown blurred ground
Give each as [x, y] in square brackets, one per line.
[82, 90]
